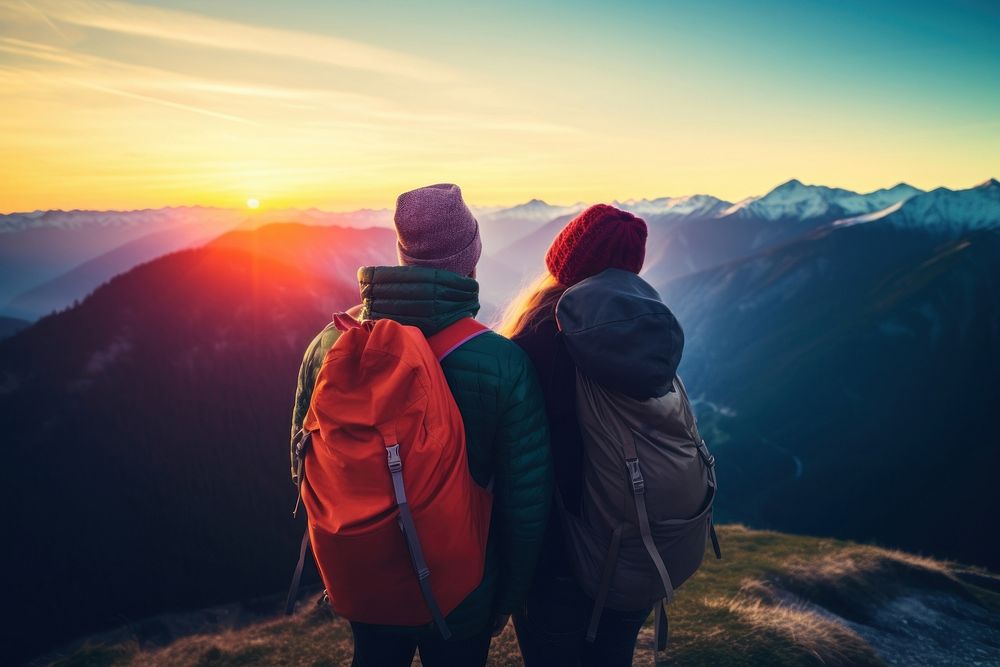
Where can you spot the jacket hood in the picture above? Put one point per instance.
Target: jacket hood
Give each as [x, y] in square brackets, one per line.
[423, 297]
[620, 333]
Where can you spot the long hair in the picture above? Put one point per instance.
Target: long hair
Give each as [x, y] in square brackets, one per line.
[532, 306]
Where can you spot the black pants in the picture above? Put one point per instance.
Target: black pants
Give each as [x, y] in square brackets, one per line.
[552, 629]
[378, 647]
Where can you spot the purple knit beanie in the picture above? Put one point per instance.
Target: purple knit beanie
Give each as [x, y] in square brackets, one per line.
[435, 228]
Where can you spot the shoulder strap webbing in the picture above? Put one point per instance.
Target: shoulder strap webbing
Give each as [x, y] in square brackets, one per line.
[455, 335]
[301, 443]
[293, 590]
[715, 539]
[607, 574]
[662, 628]
[395, 464]
[639, 497]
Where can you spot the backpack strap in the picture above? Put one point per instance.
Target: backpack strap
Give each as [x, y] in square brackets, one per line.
[715, 539]
[395, 464]
[455, 335]
[661, 630]
[301, 442]
[709, 461]
[639, 497]
[607, 574]
[293, 590]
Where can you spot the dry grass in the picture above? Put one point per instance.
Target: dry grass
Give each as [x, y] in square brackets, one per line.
[855, 582]
[776, 599]
[802, 627]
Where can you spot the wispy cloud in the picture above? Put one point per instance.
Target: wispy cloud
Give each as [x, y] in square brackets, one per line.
[42, 15]
[134, 101]
[164, 102]
[151, 84]
[200, 30]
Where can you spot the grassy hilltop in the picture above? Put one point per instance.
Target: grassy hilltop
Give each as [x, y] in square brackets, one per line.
[776, 599]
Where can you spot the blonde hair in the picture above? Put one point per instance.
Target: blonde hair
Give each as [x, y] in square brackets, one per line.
[536, 302]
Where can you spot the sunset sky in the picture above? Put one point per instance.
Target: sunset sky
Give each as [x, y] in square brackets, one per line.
[108, 104]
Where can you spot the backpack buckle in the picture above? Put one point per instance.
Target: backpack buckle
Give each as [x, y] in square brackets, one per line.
[706, 456]
[302, 443]
[638, 483]
[395, 463]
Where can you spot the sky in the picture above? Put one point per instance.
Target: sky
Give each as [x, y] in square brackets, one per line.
[342, 105]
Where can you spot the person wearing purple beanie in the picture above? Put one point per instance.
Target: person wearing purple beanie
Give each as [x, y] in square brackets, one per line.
[434, 228]
[499, 397]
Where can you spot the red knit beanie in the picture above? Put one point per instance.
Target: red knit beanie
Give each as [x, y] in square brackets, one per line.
[601, 237]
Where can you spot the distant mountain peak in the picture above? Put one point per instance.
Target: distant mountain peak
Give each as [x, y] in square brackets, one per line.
[531, 205]
[791, 184]
[534, 211]
[794, 200]
[685, 206]
[944, 210]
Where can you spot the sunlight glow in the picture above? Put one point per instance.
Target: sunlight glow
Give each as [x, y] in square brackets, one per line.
[253, 203]
[287, 104]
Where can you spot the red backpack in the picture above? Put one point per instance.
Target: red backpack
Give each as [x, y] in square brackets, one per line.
[397, 524]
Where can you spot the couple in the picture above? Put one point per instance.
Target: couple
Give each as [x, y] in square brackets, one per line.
[529, 467]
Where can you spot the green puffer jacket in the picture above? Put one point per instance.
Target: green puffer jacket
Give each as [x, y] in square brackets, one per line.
[507, 435]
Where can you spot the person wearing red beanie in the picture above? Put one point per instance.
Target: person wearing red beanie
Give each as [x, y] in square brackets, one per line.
[601, 237]
[552, 625]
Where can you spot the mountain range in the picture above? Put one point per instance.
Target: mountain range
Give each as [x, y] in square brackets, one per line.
[49, 259]
[842, 358]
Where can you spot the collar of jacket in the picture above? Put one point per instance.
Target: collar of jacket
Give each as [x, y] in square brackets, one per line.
[427, 298]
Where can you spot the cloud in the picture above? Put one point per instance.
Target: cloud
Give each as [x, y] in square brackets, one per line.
[42, 15]
[166, 103]
[341, 109]
[149, 84]
[200, 30]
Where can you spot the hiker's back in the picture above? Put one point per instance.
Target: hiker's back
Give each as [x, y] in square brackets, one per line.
[384, 477]
[648, 478]
[498, 399]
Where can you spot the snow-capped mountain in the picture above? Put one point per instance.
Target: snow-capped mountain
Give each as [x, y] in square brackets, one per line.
[691, 205]
[795, 200]
[944, 210]
[534, 211]
[888, 196]
[501, 227]
[50, 258]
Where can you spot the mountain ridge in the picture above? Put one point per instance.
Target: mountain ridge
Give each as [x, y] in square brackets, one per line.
[174, 384]
[944, 210]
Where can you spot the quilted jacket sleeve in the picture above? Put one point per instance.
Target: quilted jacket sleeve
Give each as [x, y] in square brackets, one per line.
[523, 483]
[311, 362]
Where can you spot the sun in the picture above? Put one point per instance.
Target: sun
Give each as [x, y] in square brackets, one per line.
[253, 203]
